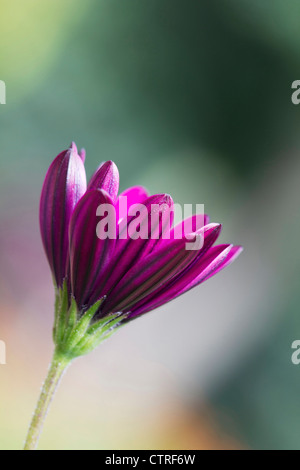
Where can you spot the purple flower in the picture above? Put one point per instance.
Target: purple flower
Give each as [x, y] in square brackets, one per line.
[113, 258]
[119, 277]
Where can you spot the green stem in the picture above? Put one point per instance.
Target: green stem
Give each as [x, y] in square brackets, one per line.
[57, 368]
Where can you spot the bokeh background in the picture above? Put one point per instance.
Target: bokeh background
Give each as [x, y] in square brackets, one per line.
[190, 98]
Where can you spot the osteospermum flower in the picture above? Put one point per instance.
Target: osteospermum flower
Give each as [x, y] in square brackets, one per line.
[113, 265]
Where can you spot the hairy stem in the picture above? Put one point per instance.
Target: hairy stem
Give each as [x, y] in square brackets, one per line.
[55, 373]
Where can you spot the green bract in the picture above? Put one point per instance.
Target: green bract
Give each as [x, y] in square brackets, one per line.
[76, 333]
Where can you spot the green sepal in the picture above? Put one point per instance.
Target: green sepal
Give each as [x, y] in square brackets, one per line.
[71, 319]
[79, 328]
[74, 332]
[98, 332]
[105, 323]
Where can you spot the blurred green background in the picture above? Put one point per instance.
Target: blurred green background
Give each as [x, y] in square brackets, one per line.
[190, 98]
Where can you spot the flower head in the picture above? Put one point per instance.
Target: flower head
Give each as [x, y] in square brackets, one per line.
[114, 258]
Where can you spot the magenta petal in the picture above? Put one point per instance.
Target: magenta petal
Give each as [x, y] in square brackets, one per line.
[234, 252]
[171, 290]
[189, 225]
[206, 265]
[217, 258]
[106, 178]
[89, 255]
[82, 154]
[64, 185]
[128, 251]
[133, 195]
[157, 220]
[73, 147]
[150, 273]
